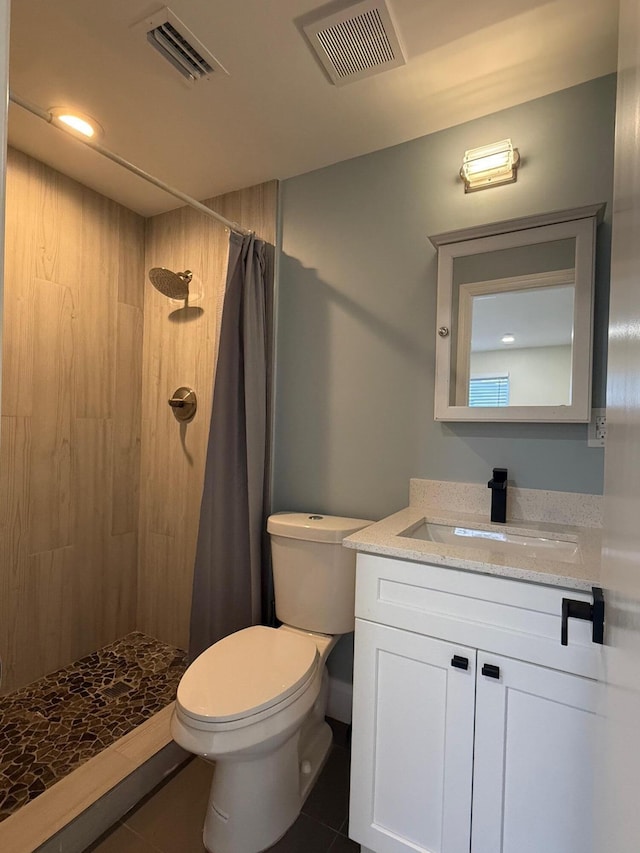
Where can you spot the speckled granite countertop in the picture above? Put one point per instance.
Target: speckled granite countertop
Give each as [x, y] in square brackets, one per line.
[385, 538]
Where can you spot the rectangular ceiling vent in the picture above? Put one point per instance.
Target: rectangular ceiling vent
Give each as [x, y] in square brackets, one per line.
[178, 45]
[356, 42]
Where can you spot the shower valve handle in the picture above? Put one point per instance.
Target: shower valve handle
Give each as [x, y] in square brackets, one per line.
[183, 403]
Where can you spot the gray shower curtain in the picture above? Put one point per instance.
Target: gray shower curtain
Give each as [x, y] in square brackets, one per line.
[229, 567]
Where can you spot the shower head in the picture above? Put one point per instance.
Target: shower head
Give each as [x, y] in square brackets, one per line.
[175, 285]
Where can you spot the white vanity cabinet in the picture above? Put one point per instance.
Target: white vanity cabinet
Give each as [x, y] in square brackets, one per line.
[473, 728]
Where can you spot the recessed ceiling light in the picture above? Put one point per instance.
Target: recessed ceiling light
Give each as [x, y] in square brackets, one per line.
[507, 339]
[75, 121]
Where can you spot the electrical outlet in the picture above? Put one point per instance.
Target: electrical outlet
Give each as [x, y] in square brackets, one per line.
[597, 433]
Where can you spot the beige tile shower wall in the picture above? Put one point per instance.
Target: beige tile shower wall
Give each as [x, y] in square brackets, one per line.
[180, 347]
[70, 438]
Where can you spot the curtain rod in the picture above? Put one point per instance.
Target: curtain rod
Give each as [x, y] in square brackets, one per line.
[131, 167]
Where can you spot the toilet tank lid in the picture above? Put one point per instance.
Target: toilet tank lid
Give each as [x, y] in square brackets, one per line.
[314, 527]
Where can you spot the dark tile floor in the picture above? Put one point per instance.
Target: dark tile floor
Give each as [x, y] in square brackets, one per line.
[170, 819]
[50, 727]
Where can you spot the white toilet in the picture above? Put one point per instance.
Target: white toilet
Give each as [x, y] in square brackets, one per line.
[255, 701]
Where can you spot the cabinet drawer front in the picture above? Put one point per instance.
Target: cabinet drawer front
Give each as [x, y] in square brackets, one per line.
[412, 748]
[511, 617]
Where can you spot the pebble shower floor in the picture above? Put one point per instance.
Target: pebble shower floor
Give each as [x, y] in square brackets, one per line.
[52, 726]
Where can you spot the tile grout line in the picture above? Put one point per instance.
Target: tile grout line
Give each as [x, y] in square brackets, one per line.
[333, 843]
[141, 837]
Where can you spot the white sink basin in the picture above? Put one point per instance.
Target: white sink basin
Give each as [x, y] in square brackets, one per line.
[529, 545]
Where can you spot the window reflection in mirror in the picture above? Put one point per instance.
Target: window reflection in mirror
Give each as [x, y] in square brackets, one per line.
[512, 343]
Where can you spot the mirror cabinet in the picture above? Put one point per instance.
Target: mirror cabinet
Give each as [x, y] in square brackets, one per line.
[514, 321]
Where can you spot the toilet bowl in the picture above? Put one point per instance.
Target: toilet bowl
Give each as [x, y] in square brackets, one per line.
[248, 702]
[255, 701]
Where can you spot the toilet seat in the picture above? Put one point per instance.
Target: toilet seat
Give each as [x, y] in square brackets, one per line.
[246, 674]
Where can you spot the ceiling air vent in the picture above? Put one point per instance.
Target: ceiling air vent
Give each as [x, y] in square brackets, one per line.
[357, 42]
[178, 45]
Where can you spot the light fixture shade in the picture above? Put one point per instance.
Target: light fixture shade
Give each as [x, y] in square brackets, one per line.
[490, 165]
[77, 122]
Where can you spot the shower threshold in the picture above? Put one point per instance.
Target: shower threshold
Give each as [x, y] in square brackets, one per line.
[53, 726]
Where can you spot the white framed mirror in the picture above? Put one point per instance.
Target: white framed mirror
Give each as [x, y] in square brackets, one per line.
[515, 319]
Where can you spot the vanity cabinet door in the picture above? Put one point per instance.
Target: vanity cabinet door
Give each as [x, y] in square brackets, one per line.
[534, 758]
[412, 750]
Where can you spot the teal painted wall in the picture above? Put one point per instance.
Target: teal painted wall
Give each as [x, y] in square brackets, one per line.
[356, 311]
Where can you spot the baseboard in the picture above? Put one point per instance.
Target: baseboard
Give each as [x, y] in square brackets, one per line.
[340, 700]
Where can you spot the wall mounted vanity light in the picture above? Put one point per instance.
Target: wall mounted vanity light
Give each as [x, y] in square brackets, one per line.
[489, 166]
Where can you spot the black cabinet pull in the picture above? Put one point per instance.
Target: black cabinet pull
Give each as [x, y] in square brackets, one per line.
[491, 670]
[597, 634]
[459, 662]
[574, 609]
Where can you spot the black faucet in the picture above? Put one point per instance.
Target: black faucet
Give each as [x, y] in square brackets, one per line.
[498, 486]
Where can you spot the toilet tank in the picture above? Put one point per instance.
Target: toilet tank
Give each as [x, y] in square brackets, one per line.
[314, 575]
